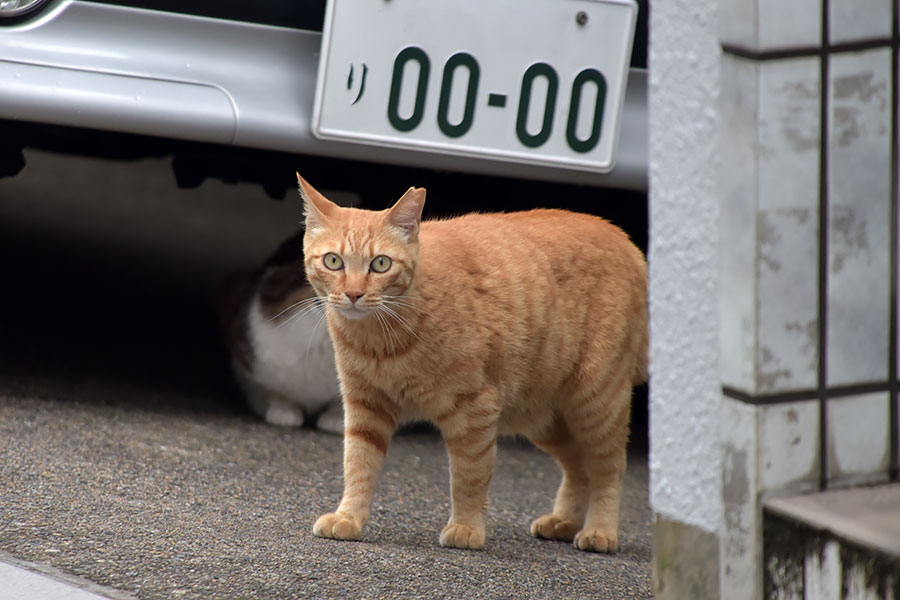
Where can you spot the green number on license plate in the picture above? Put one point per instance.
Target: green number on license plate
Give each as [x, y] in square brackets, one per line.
[470, 64]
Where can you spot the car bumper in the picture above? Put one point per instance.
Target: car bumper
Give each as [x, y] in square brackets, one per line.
[169, 75]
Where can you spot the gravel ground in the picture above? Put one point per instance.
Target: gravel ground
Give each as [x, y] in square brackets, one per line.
[197, 504]
[126, 457]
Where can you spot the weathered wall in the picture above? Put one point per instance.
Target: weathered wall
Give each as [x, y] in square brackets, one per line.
[773, 268]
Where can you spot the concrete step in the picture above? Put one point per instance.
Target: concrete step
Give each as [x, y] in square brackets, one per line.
[837, 545]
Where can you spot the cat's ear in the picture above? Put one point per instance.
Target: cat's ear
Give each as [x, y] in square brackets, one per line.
[316, 207]
[406, 214]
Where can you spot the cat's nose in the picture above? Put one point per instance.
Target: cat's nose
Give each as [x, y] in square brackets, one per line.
[354, 296]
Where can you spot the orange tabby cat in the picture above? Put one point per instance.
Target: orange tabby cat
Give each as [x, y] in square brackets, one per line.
[531, 323]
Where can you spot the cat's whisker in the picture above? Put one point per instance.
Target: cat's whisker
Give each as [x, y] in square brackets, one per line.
[399, 296]
[296, 306]
[401, 320]
[301, 313]
[397, 307]
[380, 320]
[293, 318]
[394, 305]
[385, 329]
[308, 308]
[319, 322]
[404, 301]
[390, 330]
[390, 333]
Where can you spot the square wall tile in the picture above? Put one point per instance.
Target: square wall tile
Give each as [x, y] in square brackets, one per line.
[858, 439]
[897, 417]
[739, 162]
[740, 540]
[789, 447]
[787, 226]
[859, 195]
[738, 23]
[797, 23]
[854, 20]
[770, 24]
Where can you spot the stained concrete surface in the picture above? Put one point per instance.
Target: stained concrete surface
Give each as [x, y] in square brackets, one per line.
[127, 459]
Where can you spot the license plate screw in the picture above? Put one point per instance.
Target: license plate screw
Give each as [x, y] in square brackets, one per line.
[581, 18]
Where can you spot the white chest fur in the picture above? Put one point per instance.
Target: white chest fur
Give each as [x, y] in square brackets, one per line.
[294, 358]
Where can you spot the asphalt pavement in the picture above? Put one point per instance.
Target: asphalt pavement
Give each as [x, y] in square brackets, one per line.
[128, 462]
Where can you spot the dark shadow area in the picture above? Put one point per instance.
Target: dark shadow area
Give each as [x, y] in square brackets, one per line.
[81, 312]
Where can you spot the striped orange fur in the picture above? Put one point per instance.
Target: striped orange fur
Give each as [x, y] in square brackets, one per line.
[530, 323]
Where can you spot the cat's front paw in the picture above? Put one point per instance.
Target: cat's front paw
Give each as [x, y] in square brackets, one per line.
[551, 527]
[596, 540]
[457, 535]
[337, 527]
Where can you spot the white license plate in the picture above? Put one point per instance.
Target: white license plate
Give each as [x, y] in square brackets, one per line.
[534, 81]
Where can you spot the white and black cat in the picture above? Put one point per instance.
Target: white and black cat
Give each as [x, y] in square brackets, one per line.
[281, 353]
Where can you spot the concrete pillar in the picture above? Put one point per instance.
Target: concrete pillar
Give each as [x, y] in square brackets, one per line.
[685, 484]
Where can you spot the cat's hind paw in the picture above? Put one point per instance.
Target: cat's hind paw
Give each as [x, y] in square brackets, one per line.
[284, 414]
[457, 535]
[596, 540]
[337, 527]
[551, 527]
[332, 419]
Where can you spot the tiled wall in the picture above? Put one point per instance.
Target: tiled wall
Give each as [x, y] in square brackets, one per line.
[809, 229]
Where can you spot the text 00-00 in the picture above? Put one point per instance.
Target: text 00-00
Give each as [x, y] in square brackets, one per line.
[468, 62]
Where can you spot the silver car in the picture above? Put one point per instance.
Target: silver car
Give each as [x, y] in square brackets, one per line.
[226, 76]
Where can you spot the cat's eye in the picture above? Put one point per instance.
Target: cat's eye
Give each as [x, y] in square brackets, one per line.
[333, 261]
[380, 264]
